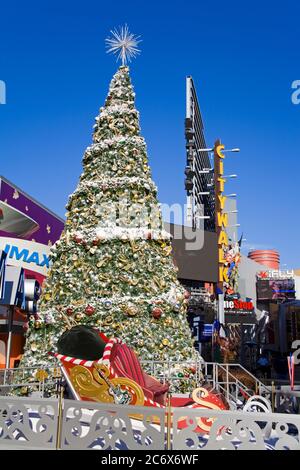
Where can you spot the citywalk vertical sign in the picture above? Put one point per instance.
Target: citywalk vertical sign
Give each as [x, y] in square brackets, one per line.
[221, 216]
[229, 256]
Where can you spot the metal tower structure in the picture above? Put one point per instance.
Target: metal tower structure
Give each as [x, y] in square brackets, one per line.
[199, 181]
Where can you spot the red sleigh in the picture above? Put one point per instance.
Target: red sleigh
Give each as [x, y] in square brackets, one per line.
[117, 377]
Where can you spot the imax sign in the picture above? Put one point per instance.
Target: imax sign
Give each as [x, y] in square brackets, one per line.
[27, 254]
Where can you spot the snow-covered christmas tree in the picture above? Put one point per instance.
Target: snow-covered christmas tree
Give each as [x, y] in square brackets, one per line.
[112, 267]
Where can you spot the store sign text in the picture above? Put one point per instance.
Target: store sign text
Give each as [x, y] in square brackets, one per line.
[222, 219]
[238, 305]
[27, 254]
[274, 274]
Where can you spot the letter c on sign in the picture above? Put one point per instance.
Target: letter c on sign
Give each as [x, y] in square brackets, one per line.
[219, 151]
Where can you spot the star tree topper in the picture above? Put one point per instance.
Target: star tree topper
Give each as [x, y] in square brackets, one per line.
[123, 43]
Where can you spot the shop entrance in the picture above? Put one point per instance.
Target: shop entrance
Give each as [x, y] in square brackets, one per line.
[244, 337]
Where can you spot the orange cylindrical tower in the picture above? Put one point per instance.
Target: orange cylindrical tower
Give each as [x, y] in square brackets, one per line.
[270, 258]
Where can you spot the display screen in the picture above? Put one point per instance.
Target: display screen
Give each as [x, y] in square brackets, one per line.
[279, 289]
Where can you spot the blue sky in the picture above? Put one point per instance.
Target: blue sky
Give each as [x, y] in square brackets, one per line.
[243, 57]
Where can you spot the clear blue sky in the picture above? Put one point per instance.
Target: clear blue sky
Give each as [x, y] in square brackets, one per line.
[243, 57]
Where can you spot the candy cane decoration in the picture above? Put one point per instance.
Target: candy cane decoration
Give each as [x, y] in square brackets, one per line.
[291, 366]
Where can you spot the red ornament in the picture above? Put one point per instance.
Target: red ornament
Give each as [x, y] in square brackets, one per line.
[149, 235]
[96, 242]
[89, 310]
[69, 311]
[25, 326]
[187, 294]
[157, 312]
[78, 239]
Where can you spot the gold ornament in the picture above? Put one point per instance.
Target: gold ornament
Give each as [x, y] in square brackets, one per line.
[79, 316]
[134, 246]
[130, 311]
[107, 321]
[47, 296]
[41, 375]
[34, 347]
[127, 267]
[122, 259]
[160, 283]
[165, 342]
[37, 325]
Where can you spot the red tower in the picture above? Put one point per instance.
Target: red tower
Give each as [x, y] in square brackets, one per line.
[270, 258]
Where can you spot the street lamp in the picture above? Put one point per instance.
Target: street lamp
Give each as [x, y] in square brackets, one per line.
[235, 150]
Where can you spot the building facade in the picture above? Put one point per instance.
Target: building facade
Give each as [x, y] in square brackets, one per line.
[27, 231]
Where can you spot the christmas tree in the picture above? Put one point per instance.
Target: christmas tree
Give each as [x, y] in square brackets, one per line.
[112, 267]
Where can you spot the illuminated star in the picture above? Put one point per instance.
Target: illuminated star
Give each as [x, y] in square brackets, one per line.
[123, 43]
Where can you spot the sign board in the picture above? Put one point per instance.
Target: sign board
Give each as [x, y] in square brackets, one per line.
[276, 289]
[235, 308]
[238, 305]
[276, 274]
[26, 254]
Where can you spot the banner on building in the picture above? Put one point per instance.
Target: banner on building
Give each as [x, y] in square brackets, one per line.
[26, 254]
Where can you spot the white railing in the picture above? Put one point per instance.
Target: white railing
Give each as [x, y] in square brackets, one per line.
[37, 379]
[222, 378]
[234, 381]
[27, 423]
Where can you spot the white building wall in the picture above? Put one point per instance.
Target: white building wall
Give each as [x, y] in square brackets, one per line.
[247, 277]
[297, 287]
